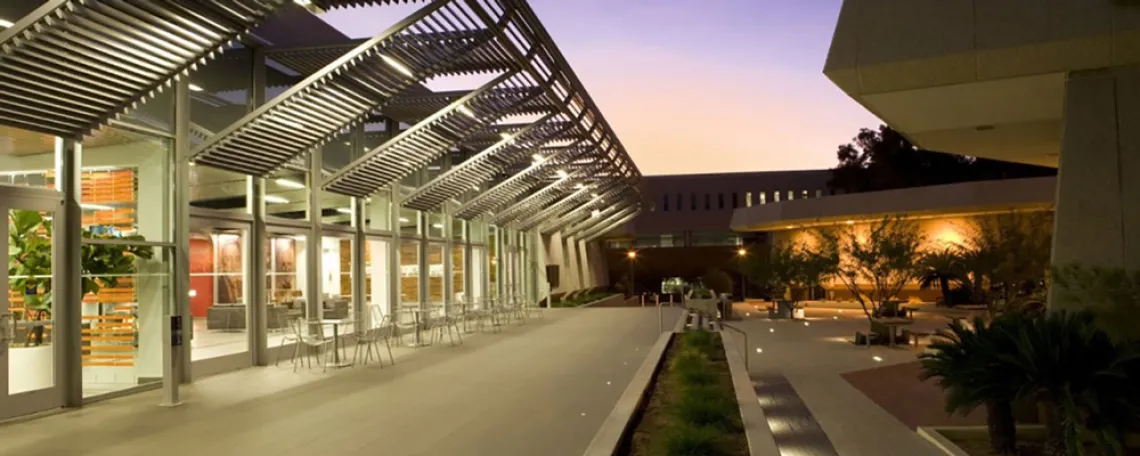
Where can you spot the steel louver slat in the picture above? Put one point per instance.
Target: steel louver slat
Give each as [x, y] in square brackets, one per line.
[591, 221]
[346, 91]
[564, 206]
[614, 222]
[514, 186]
[478, 169]
[532, 217]
[429, 139]
[537, 200]
[72, 66]
[559, 221]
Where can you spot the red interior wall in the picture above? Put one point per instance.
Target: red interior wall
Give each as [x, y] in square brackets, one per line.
[201, 262]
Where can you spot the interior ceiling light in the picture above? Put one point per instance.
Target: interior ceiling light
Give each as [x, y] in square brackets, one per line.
[303, 2]
[404, 220]
[505, 135]
[5, 23]
[289, 183]
[538, 159]
[580, 186]
[467, 111]
[397, 65]
[195, 87]
[562, 174]
[274, 199]
[344, 210]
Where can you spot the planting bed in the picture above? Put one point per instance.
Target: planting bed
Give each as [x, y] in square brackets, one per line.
[690, 408]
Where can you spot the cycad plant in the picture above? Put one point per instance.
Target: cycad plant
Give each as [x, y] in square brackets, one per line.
[968, 364]
[944, 268]
[1083, 380]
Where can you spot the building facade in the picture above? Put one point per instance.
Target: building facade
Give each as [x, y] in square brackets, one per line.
[1054, 84]
[183, 190]
[687, 229]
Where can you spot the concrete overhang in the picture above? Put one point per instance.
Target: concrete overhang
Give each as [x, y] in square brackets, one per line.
[970, 198]
[977, 77]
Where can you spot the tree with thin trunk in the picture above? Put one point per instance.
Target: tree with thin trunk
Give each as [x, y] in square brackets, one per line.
[1008, 255]
[876, 263]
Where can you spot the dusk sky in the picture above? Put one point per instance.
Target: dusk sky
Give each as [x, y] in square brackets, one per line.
[697, 86]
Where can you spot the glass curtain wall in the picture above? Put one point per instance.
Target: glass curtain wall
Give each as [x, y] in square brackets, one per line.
[377, 278]
[219, 291]
[286, 281]
[435, 284]
[127, 271]
[336, 273]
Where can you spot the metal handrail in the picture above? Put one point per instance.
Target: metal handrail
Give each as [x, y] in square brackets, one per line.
[744, 352]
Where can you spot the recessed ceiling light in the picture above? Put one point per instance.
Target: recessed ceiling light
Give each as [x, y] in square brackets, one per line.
[5, 24]
[562, 174]
[344, 210]
[274, 199]
[195, 87]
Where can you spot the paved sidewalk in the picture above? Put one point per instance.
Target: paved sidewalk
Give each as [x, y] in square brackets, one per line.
[816, 397]
[543, 388]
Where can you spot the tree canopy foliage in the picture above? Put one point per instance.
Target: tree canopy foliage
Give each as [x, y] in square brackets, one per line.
[883, 160]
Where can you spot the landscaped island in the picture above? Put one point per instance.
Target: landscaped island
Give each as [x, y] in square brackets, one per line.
[690, 408]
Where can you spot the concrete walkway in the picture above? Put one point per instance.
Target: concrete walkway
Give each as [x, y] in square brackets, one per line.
[543, 388]
[812, 409]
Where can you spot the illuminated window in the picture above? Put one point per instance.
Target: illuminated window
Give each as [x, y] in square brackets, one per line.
[776, 196]
[763, 198]
[748, 199]
[791, 195]
[818, 193]
[804, 194]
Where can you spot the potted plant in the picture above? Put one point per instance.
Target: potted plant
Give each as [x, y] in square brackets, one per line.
[30, 253]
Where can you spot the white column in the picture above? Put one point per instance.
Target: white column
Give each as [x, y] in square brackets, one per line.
[1098, 187]
[153, 199]
[573, 271]
[585, 261]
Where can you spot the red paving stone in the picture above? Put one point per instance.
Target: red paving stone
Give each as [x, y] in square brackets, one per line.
[898, 390]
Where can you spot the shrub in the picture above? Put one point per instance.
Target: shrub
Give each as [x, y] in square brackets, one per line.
[708, 406]
[690, 441]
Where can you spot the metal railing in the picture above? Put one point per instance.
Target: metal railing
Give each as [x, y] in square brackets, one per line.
[743, 352]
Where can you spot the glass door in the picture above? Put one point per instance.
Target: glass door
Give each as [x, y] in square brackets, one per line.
[29, 357]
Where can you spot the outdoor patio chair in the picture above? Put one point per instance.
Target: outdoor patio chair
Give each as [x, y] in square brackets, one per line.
[369, 339]
[311, 334]
[442, 322]
[291, 336]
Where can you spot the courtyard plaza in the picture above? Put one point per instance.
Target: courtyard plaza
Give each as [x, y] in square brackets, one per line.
[824, 395]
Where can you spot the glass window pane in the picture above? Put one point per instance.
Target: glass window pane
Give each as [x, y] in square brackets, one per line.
[31, 357]
[377, 282]
[377, 213]
[409, 273]
[125, 299]
[336, 270]
[218, 290]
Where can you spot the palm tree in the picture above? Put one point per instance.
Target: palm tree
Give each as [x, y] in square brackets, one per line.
[943, 267]
[1083, 380]
[969, 366]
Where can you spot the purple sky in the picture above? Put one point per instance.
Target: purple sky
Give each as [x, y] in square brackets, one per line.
[697, 86]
